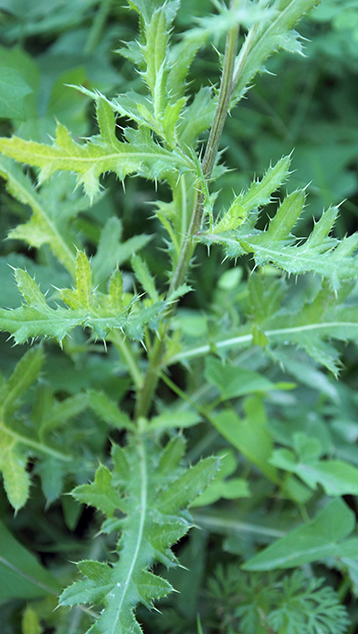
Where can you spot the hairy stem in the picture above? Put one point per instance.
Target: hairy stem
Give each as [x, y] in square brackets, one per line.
[145, 395]
[211, 151]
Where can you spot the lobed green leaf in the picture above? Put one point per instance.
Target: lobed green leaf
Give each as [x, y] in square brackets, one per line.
[87, 308]
[139, 155]
[155, 518]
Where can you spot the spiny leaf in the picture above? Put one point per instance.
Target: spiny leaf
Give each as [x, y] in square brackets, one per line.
[197, 117]
[146, 8]
[155, 519]
[258, 195]
[217, 25]
[100, 493]
[189, 486]
[320, 253]
[310, 326]
[143, 276]
[140, 155]
[326, 317]
[86, 308]
[172, 455]
[154, 54]
[108, 410]
[275, 32]
[112, 252]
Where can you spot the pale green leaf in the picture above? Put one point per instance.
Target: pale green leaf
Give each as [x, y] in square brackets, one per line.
[140, 155]
[270, 35]
[320, 253]
[13, 89]
[154, 54]
[26, 372]
[23, 577]
[144, 276]
[107, 409]
[320, 538]
[146, 8]
[216, 25]
[15, 477]
[311, 326]
[30, 622]
[335, 476]
[234, 381]
[189, 486]
[112, 252]
[197, 117]
[47, 225]
[99, 493]
[151, 588]
[249, 435]
[172, 418]
[172, 455]
[96, 571]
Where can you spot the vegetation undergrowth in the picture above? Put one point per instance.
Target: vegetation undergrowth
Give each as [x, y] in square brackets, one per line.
[183, 327]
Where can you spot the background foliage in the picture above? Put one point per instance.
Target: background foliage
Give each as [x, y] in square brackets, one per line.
[62, 401]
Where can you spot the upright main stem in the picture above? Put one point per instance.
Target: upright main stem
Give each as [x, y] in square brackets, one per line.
[145, 394]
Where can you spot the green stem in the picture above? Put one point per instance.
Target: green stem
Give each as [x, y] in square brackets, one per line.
[126, 352]
[246, 340]
[38, 446]
[183, 395]
[145, 395]
[209, 158]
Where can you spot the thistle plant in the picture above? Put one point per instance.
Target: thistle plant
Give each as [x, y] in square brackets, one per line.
[120, 447]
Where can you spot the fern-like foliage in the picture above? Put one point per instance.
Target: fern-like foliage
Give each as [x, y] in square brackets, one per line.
[149, 491]
[139, 154]
[289, 605]
[320, 253]
[98, 311]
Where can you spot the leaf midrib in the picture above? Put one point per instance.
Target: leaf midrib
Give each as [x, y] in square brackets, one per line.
[142, 514]
[226, 343]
